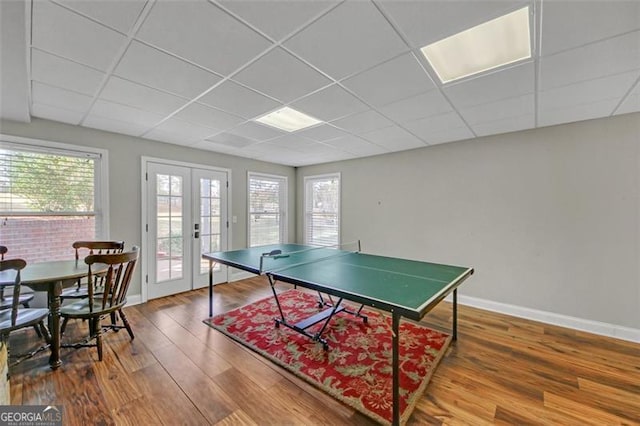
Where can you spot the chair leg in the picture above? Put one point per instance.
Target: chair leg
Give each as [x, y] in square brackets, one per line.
[65, 321]
[126, 324]
[37, 329]
[44, 332]
[97, 332]
[114, 320]
[5, 340]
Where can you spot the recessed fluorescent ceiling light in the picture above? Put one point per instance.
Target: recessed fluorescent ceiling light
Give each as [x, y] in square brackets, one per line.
[501, 41]
[288, 119]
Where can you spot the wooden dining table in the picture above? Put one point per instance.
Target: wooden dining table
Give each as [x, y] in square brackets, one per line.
[52, 277]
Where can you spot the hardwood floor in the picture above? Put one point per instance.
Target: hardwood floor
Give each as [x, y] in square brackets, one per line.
[502, 370]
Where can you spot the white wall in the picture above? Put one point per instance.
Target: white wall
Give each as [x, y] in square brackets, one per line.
[549, 218]
[125, 154]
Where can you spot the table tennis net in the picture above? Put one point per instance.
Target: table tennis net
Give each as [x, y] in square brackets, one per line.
[278, 260]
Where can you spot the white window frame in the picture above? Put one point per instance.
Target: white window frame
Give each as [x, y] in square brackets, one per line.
[101, 176]
[326, 176]
[284, 206]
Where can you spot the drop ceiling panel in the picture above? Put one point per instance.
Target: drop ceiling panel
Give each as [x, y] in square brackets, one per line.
[117, 126]
[114, 111]
[363, 122]
[209, 117]
[441, 123]
[507, 83]
[56, 113]
[139, 96]
[236, 99]
[256, 131]
[391, 81]
[61, 98]
[613, 87]
[613, 56]
[231, 140]
[151, 67]
[394, 139]
[424, 105]
[292, 142]
[220, 148]
[503, 109]
[55, 71]
[322, 132]
[180, 132]
[263, 148]
[505, 125]
[566, 24]
[425, 22]
[449, 135]
[266, 75]
[65, 33]
[319, 149]
[585, 111]
[357, 146]
[340, 47]
[326, 158]
[329, 104]
[283, 158]
[632, 102]
[277, 19]
[201, 34]
[175, 138]
[118, 14]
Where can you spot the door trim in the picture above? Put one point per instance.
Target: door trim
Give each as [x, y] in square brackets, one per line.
[144, 160]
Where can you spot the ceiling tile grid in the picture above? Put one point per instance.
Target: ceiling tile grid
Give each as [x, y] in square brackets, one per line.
[198, 72]
[352, 37]
[202, 33]
[239, 100]
[149, 66]
[60, 31]
[65, 74]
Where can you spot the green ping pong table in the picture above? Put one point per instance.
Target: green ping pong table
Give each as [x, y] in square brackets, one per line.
[405, 288]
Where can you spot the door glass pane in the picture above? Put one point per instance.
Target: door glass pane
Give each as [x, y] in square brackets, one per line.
[163, 185]
[169, 199]
[209, 220]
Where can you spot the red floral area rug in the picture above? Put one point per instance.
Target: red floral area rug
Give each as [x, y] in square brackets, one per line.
[356, 369]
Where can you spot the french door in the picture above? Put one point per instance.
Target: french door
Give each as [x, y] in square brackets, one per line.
[186, 216]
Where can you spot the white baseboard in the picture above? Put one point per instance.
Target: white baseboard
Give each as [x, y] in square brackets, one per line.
[595, 327]
[134, 299]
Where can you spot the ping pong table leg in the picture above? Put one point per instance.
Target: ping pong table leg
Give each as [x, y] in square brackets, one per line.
[394, 366]
[455, 314]
[210, 288]
[272, 283]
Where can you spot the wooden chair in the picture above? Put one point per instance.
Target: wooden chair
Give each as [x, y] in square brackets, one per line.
[112, 300]
[79, 291]
[17, 317]
[6, 301]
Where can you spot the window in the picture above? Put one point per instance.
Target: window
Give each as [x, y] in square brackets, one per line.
[267, 209]
[322, 210]
[49, 198]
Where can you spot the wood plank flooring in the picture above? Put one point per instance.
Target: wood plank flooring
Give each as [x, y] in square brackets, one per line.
[502, 370]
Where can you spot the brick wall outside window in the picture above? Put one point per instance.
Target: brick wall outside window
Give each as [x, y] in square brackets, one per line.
[38, 239]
